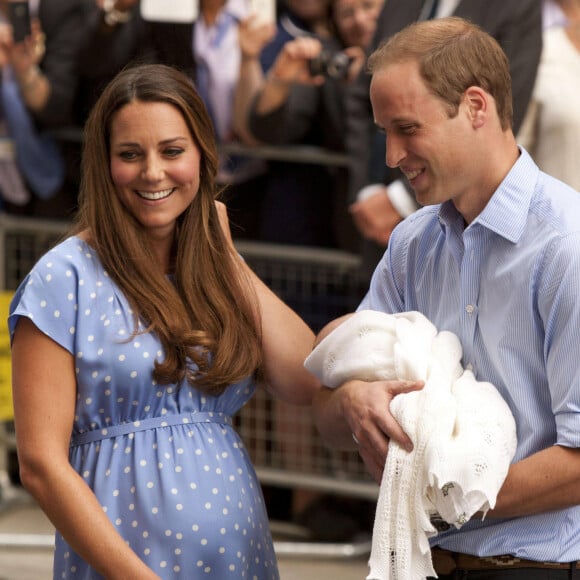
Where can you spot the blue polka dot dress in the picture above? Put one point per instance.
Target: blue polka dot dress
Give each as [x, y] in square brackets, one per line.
[164, 461]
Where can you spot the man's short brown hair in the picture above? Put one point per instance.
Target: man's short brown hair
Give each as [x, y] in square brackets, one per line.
[453, 55]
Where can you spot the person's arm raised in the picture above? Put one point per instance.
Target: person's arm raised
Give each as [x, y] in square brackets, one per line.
[291, 67]
[253, 36]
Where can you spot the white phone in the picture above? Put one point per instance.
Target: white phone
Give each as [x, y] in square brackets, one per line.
[169, 11]
[265, 9]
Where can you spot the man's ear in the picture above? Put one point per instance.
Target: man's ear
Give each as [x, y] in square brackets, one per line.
[477, 105]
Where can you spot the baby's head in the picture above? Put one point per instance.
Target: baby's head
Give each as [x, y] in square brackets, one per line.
[328, 328]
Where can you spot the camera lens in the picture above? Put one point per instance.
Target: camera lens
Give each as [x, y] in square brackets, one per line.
[333, 65]
[338, 66]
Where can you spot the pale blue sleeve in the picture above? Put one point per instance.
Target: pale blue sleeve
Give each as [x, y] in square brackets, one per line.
[48, 297]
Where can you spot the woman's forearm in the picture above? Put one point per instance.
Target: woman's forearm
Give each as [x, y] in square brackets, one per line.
[250, 82]
[34, 88]
[76, 513]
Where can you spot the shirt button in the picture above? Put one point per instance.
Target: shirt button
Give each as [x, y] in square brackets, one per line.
[469, 308]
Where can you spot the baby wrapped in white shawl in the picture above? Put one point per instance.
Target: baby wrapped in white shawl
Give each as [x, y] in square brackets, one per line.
[463, 432]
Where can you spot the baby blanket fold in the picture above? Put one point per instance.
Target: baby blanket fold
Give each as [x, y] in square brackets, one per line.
[463, 433]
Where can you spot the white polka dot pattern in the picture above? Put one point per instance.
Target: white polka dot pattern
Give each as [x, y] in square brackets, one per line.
[183, 494]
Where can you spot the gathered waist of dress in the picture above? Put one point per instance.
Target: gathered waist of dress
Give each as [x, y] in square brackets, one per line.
[146, 424]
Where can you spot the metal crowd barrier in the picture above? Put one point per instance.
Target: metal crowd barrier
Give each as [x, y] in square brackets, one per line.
[281, 439]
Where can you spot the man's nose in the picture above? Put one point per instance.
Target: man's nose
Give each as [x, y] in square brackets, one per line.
[395, 151]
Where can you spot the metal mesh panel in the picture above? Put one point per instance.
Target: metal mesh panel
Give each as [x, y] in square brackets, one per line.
[282, 440]
[23, 242]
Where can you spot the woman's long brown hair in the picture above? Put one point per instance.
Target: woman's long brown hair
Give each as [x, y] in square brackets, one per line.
[208, 313]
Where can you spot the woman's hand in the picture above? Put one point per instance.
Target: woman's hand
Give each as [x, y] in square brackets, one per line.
[292, 64]
[26, 55]
[21, 55]
[254, 34]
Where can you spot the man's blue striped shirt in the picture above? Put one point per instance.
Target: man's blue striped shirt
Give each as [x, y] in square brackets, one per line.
[509, 286]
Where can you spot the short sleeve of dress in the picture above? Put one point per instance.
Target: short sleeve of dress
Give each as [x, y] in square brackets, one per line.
[48, 295]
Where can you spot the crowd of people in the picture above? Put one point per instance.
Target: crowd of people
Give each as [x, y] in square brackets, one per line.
[228, 52]
[550, 132]
[137, 130]
[254, 77]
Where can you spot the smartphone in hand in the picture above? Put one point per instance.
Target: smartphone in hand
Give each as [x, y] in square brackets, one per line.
[19, 16]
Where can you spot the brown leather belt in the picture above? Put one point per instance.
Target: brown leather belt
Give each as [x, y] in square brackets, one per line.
[445, 562]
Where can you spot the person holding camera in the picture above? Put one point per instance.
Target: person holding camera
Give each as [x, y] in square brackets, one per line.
[301, 101]
[39, 43]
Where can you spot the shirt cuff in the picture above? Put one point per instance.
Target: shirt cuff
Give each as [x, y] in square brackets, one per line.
[370, 190]
[401, 199]
[398, 194]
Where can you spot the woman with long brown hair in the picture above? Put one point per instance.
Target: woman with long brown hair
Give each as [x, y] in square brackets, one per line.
[134, 342]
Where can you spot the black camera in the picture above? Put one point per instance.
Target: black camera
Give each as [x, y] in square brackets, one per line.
[333, 65]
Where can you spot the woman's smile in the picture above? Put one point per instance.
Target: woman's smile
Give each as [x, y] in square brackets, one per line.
[156, 195]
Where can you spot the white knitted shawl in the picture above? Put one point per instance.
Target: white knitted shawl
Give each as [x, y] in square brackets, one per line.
[463, 433]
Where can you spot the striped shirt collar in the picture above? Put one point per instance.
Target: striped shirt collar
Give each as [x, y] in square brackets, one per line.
[507, 211]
